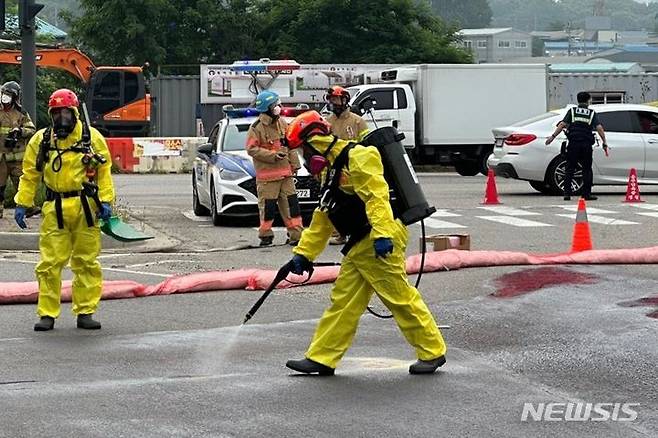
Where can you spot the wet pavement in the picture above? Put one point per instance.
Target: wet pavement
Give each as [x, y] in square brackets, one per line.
[181, 366]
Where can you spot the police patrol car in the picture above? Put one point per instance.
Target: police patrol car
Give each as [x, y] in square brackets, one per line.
[223, 175]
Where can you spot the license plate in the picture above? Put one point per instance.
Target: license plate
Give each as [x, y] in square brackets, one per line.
[303, 193]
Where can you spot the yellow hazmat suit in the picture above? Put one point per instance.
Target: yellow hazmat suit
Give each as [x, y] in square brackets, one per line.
[361, 272]
[76, 241]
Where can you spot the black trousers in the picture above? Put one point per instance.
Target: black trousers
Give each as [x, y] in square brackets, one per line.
[578, 152]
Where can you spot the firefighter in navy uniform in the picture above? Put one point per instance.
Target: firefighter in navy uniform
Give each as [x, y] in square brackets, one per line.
[16, 128]
[580, 121]
[345, 125]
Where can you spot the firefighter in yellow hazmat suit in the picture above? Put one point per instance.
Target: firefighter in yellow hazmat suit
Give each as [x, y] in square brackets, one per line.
[356, 201]
[74, 162]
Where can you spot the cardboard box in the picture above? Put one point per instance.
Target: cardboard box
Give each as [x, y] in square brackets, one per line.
[441, 242]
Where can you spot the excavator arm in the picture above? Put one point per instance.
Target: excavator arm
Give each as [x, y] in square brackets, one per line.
[70, 60]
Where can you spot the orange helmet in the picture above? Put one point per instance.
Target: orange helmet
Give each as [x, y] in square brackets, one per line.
[337, 91]
[305, 125]
[63, 98]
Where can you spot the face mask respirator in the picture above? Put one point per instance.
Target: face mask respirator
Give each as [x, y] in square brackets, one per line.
[63, 122]
[6, 99]
[336, 108]
[316, 163]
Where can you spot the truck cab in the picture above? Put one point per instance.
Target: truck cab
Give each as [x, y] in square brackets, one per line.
[386, 105]
[119, 102]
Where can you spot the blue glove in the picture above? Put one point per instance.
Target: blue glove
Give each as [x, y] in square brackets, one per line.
[19, 217]
[383, 246]
[105, 211]
[300, 264]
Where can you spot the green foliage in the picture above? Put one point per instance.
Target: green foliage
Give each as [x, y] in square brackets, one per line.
[471, 14]
[545, 14]
[364, 31]
[220, 31]
[53, 8]
[10, 192]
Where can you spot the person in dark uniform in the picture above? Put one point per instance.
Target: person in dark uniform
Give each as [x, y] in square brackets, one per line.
[579, 122]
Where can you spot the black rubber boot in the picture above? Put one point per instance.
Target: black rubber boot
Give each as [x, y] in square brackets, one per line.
[266, 241]
[88, 323]
[427, 366]
[309, 366]
[45, 324]
[292, 242]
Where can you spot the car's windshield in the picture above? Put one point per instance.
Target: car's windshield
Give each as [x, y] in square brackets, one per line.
[235, 137]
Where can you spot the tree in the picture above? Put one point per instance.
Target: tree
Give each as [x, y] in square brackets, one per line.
[467, 14]
[221, 31]
[556, 26]
[357, 31]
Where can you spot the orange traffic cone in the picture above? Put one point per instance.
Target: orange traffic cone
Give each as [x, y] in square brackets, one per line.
[490, 192]
[582, 237]
[633, 190]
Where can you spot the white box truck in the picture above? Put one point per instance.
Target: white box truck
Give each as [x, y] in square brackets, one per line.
[447, 111]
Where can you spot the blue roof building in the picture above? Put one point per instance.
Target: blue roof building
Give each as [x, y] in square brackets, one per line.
[43, 27]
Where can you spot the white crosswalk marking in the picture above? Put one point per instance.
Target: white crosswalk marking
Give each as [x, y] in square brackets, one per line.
[514, 221]
[589, 209]
[437, 224]
[645, 206]
[649, 213]
[444, 213]
[509, 211]
[601, 220]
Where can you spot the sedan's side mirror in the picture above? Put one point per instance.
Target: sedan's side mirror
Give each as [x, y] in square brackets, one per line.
[205, 149]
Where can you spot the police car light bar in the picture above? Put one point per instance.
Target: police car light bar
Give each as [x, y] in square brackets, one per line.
[294, 112]
[238, 113]
[265, 65]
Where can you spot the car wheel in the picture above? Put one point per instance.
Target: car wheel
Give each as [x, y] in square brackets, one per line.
[216, 218]
[555, 177]
[541, 187]
[467, 167]
[199, 209]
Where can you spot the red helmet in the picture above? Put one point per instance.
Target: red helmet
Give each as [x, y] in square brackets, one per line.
[63, 98]
[337, 91]
[305, 125]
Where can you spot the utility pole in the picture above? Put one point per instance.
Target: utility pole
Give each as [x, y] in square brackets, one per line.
[2, 16]
[27, 10]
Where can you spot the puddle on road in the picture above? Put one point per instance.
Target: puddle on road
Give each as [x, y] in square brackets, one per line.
[643, 302]
[531, 280]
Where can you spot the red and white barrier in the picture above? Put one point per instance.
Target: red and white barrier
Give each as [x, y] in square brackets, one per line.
[154, 154]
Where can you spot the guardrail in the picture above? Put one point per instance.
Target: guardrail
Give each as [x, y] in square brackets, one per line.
[154, 154]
